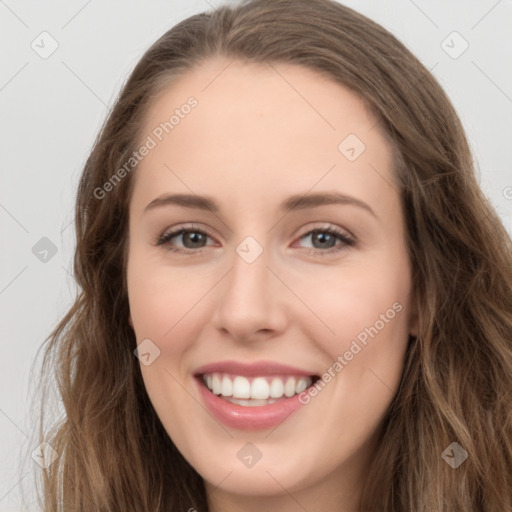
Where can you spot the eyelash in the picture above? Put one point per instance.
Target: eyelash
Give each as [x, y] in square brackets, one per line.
[165, 238]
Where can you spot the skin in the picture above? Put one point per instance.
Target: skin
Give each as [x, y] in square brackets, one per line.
[259, 134]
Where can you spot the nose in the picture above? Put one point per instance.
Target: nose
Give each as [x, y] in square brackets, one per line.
[250, 301]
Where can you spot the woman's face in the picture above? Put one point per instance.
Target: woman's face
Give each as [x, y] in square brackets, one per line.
[267, 294]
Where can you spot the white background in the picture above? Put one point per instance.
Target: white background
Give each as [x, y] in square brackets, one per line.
[51, 110]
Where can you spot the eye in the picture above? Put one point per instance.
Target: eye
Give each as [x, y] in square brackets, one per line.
[324, 240]
[193, 240]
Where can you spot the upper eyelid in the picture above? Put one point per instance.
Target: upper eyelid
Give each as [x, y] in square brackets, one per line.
[324, 227]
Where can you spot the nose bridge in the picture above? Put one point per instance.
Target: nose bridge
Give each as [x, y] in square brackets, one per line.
[248, 300]
[247, 288]
[249, 274]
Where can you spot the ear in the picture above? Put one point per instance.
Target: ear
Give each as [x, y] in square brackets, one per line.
[130, 321]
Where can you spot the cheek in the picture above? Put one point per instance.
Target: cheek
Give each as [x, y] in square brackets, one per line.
[160, 301]
[363, 304]
[162, 306]
[373, 343]
[368, 311]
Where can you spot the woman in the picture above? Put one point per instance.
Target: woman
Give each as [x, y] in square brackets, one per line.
[214, 362]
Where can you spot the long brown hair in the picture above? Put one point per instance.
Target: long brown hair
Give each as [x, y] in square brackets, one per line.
[112, 451]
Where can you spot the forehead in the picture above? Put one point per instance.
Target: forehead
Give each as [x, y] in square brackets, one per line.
[252, 96]
[264, 129]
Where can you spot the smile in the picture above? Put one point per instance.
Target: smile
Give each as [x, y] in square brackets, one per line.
[255, 391]
[252, 397]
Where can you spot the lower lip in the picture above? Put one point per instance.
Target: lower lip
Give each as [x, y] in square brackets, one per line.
[248, 418]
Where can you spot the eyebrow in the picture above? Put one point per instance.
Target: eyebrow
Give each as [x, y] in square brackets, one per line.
[296, 202]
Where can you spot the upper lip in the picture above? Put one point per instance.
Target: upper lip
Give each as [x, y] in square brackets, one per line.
[259, 368]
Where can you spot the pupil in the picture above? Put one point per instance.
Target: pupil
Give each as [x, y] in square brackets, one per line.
[322, 238]
[195, 238]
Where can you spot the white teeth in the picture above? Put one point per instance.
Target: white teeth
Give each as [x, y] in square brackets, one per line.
[276, 388]
[289, 387]
[216, 385]
[241, 387]
[250, 403]
[260, 388]
[301, 386]
[227, 386]
[255, 391]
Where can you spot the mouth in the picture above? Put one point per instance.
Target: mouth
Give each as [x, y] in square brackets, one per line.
[252, 397]
[255, 391]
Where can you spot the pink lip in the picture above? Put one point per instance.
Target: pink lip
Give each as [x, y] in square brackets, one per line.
[260, 368]
[249, 418]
